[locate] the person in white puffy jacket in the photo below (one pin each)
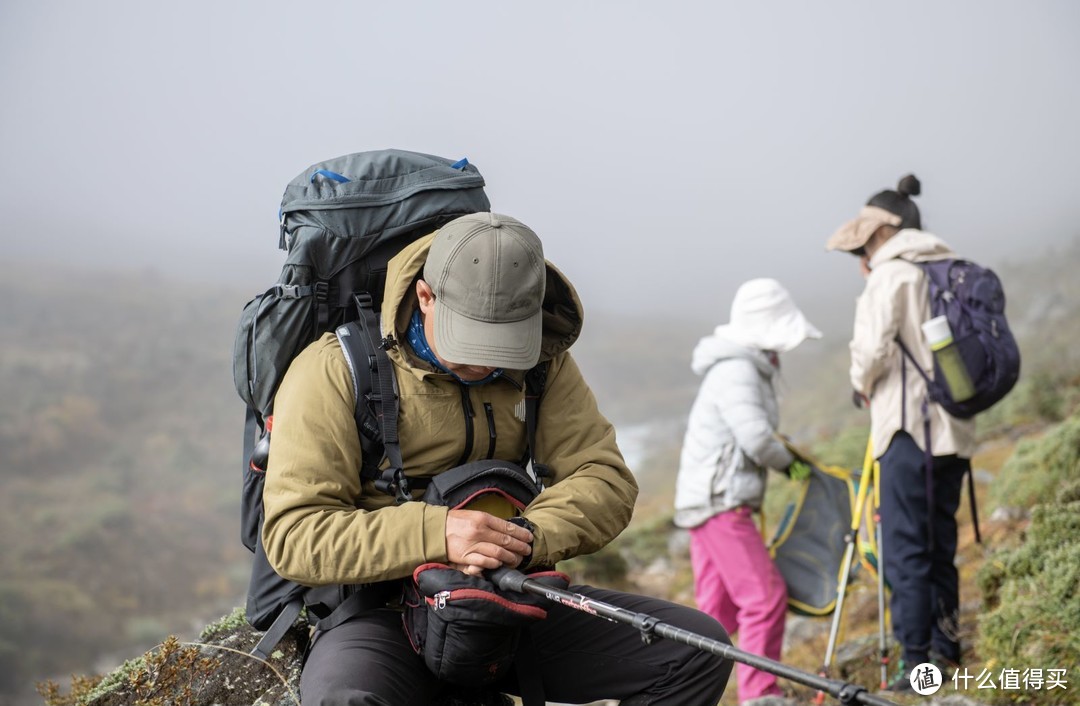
(730, 441)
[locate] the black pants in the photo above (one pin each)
(925, 586)
(580, 658)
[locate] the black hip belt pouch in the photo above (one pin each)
(466, 628)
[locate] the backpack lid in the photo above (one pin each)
(366, 182)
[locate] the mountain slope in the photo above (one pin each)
(120, 438)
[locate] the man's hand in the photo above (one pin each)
(477, 541)
(798, 470)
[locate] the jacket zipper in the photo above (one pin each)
(466, 406)
(491, 429)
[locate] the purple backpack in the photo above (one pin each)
(972, 299)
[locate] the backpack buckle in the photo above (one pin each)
(293, 291)
(363, 300)
(395, 484)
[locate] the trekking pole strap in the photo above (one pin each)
(512, 580)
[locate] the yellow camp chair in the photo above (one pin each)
(810, 539)
(865, 536)
(863, 539)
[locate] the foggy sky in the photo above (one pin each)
(664, 152)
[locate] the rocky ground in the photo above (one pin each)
(218, 670)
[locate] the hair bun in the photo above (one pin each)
(909, 186)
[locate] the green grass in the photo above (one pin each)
(1039, 467)
(1032, 592)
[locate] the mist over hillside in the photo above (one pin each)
(120, 439)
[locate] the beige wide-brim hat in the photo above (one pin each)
(855, 233)
(764, 316)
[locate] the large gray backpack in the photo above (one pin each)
(341, 222)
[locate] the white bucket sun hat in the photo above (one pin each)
(764, 316)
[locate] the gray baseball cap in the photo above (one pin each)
(488, 275)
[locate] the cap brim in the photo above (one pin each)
(855, 233)
(466, 341)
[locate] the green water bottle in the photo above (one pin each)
(947, 357)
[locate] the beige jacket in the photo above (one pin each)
(896, 301)
(323, 526)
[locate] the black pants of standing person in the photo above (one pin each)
(925, 585)
(580, 658)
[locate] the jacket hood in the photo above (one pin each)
(718, 346)
(563, 312)
(914, 246)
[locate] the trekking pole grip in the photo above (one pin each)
(507, 579)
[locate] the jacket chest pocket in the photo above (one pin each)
(441, 427)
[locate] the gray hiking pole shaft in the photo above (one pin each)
(882, 645)
(834, 630)
(649, 627)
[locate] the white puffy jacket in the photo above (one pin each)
(730, 437)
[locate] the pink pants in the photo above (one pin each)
(736, 582)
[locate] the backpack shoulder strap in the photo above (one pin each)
(938, 275)
(358, 357)
(931, 281)
(535, 381)
(376, 411)
(914, 363)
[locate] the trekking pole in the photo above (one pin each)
(650, 627)
(883, 645)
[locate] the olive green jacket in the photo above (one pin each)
(324, 526)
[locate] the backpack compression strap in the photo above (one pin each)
(277, 630)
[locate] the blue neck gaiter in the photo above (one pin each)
(419, 344)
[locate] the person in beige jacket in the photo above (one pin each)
(921, 473)
(469, 309)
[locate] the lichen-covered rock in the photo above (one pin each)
(216, 670)
(219, 670)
